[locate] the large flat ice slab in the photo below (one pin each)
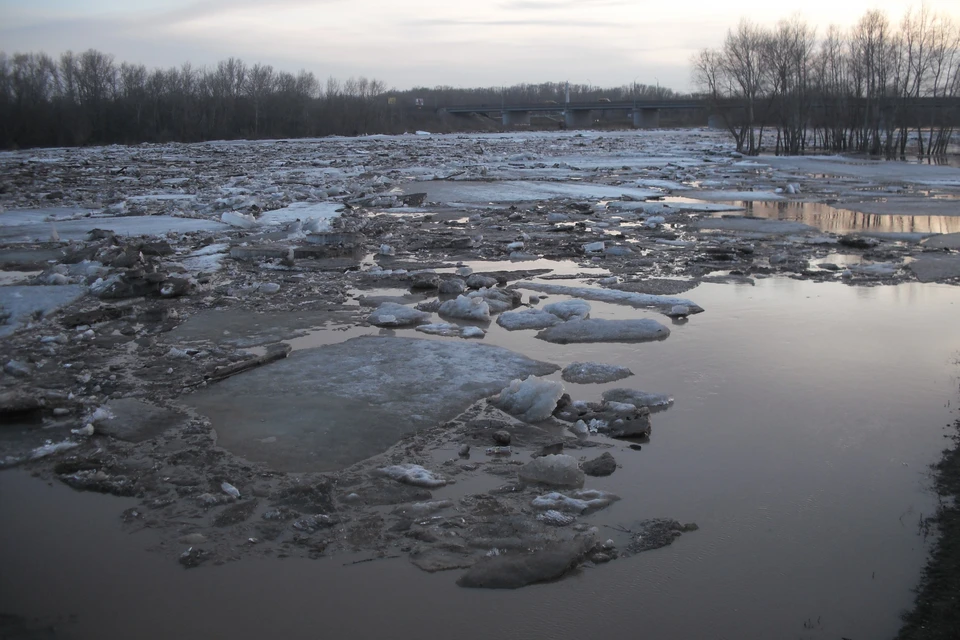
(326, 408)
(614, 296)
(19, 303)
(933, 268)
(754, 225)
(860, 168)
(522, 191)
(77, 229)
(943, 241)
(600, 330)
(46, 214)
(321, 211)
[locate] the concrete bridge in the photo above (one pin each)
(579, 115)
(646, 113)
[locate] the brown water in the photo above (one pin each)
(805, 420)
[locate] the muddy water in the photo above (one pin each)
(827, 218)
(806, 415)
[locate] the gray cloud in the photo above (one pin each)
(538, 5)
(211, 8)
(519, 22)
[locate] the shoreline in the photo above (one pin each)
(936, 611)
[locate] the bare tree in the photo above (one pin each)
(260, 83)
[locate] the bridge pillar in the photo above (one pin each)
(715, 121)
(511, 118)
(578, 119)
(646, 118)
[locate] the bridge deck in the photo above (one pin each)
(580, 106)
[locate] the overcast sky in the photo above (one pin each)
(409, 43)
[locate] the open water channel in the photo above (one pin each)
(806, 418)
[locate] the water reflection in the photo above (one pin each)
(827, 218)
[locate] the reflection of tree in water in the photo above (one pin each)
(827, 218)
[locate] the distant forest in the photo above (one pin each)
(89, 99)
(868, 89)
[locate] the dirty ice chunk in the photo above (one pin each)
(391, 314)
(577, 502)
(316, 216)
(655, 401)
(597, 330)
(414, 474)
(532, 399)
(592, 247)
(527, 319)
(555, 518)
(101, 415)
(498, 300)
(637, 300)
(678, 311)
(594, 372)
(451, 330)
(230, 490)
(880, 269)
(654, 221)
(516, 570)
(580, 429)
(52, 448)
(22, 304)
(569, 309)
(466, 308)
(422, 509)
(240, 220)
(930, 268)
(557, 470)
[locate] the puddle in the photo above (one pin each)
(840, 221)
(806, 472)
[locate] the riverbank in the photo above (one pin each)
(936, 615)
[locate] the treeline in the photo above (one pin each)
(87, 99)
(869, 89)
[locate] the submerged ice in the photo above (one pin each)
(327, 407)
